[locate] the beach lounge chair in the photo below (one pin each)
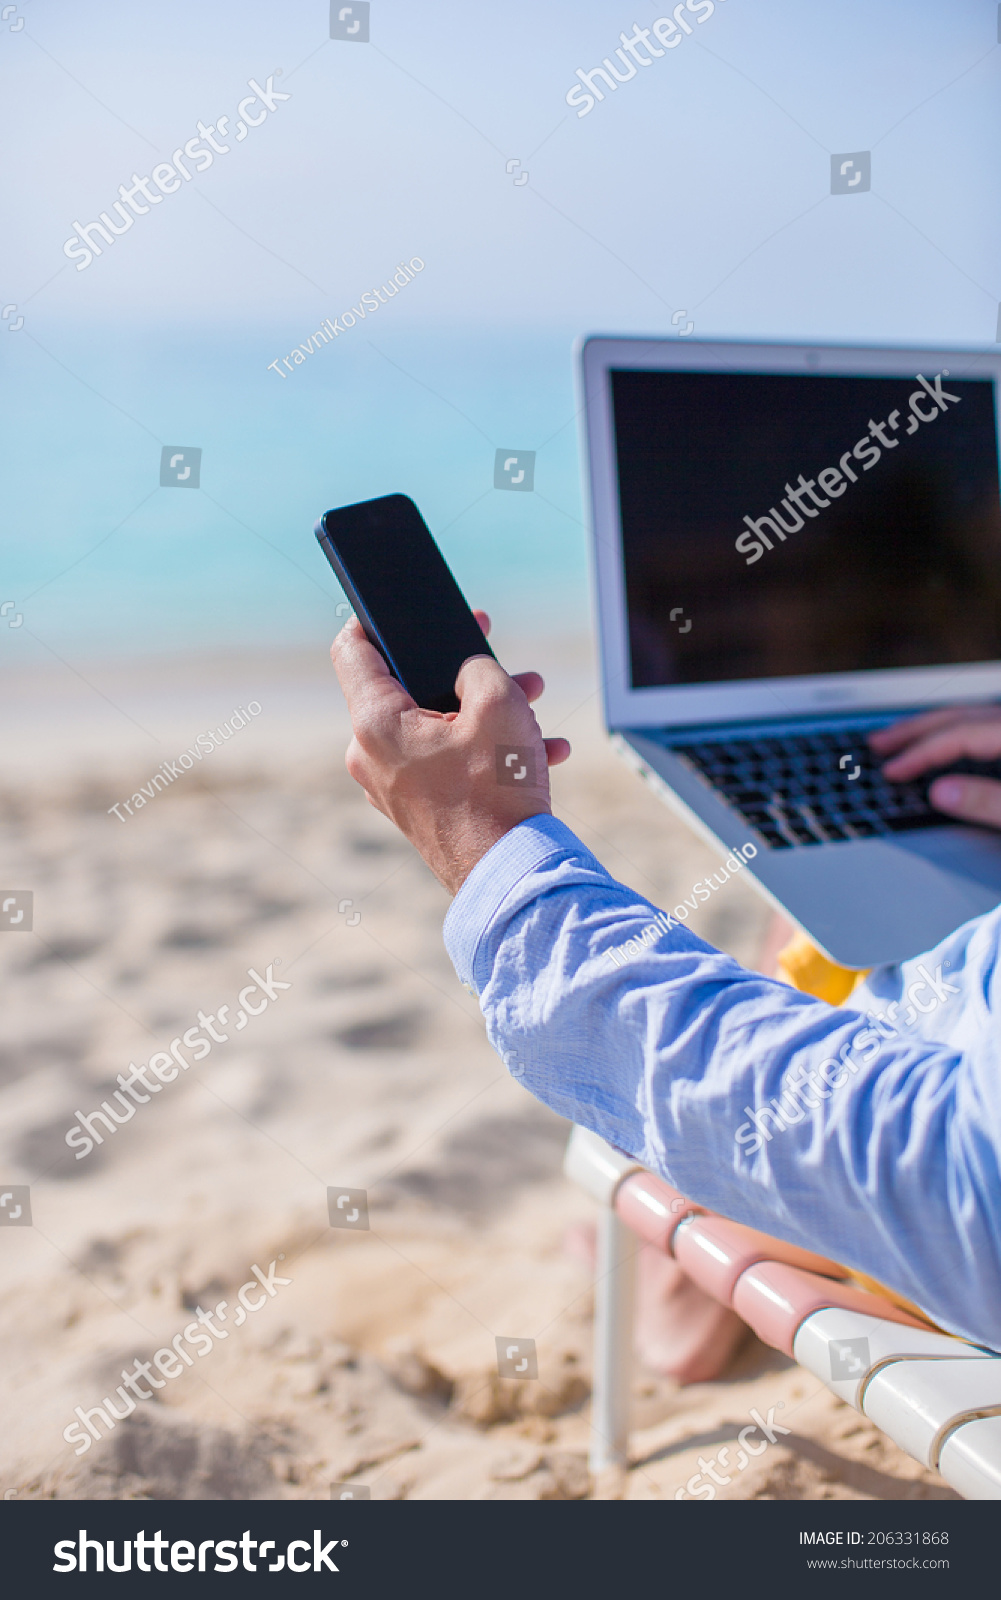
(935, 1396)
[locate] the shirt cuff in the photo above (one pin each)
(493, 879)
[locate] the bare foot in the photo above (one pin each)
(778, 933)
(680, 1331)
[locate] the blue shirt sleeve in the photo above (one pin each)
(868, 1132)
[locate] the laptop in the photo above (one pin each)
(793, 545)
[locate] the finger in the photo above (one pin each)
(886, 741)
(353, 641)
(979, 740)
(972, 799)
(484, 622)
(558, 751)
(355, 761)
(362, 673)
(482, 681)
(531, 683)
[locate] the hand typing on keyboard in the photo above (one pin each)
(958, 749)
(795, 789)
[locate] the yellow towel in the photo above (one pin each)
(802, 966)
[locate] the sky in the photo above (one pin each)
(698, 193)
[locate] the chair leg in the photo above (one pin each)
(614, 1303)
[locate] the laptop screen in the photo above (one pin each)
(782, 524)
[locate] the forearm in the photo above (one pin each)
(688, 1062)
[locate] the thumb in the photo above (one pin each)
(970, 799)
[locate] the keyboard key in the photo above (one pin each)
(794, 787)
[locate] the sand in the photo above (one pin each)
(374, 1364)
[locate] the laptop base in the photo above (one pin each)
(847, 897)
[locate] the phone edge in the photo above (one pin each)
(364, 617)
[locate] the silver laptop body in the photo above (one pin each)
(751, 626)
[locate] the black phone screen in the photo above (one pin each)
(404, 595)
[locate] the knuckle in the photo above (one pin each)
(493, 690)
(355, 762)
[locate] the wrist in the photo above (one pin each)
(458, 855)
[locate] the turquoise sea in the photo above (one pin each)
(102, 561)
(701, 190)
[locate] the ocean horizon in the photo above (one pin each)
(103, 561)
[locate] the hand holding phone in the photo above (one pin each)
(453, 785)
(404, 595)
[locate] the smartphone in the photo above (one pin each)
(404, 595)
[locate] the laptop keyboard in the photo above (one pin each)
(817, 788)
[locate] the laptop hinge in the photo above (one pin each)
(753, 728)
